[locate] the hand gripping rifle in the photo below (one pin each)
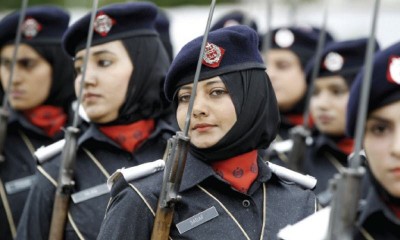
(299, 133)
(65, 182)
(4, 112)
(178, 147)
(347, 185)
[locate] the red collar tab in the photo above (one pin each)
(393, 70)
(103, 24)
(129, 137)
(30, 28)
(346, 145)
(48, 118)
(240, 171)
(213, 55)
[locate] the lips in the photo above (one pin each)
(17, 93)
(202, 127)
(90, 96)
(324, 118)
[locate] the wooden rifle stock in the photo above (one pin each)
(65, 185)
(178, 147)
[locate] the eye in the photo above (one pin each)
(339, 91)
(282, 65)
(184, 97)
(378, 128)
(5, 62)
(27, 63)
(218, 92)
(104, 63)
(78, 70)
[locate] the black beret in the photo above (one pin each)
(228, 49)
(112, 22)
(42, 25)
(302, 40)
(344, 58)
(234, 18)
(385, 85)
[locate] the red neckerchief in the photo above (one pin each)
(130, 136)
(395, 209)
(48, 118)
(239, 171)
(297, 119)
(346, 145)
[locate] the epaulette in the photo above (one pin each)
(136, 172)
(305, 181)
(287, 145)
(44, 153)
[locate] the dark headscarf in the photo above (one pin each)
(257, 116)
(144, 98)
(62, 85)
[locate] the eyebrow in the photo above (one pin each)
(376, 118)
(96, 53)
(207, 84)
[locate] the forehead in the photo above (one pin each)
(23, 50)
(115, 47)
(282, 54)
(204, 83)
(327, 81)
(389, 112)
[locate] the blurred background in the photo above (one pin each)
(346, 18)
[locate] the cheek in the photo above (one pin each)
(181, 112)
(376, 150)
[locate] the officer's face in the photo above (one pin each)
(287, 77)
(31, 81)
(107, 76)
(328, 104)
(382, 146)
(213, 112)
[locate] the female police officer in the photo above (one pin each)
(121, 96)
(40, 97)
(235, 114)
(327, 155)
(379, 217)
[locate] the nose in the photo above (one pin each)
(395, 146)
(200, 108)
(90, 77)
(321, 100)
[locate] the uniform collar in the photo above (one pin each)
(197, 171)
(93, 132)
(16, 117)
(374, 204)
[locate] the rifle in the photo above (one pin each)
(344, 205)
(268, 36)
(4, 111)
(178, 147)
(65, 182)
(299, 133)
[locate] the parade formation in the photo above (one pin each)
(107, 133)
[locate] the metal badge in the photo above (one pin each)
(333, 61)
(103, 24)
(19, 185)
(393, 71)
(30, 28)
(89, 193)
(284, 38)
(197, 220)
(213, 55)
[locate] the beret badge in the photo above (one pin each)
(103, 24)
(30, 28)
(284, 38)
(213, 55)
(393, 71)
(333, 61)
